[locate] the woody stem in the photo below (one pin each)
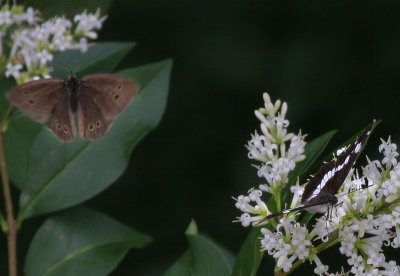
(11, 222)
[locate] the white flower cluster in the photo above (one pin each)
(33, 44)
(276, 161)
(289, 243)
(364, 221)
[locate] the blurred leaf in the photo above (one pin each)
(50, 8)
(64, 174)
(22, 132)
(80, 242)
(101, 57)
(183, 266)
(203, 257)
(207, 257)
(192, 228)
(250, 255)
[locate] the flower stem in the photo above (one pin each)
(11, 223)
(278, 200)
(6, 116)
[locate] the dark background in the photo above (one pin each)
(336, 64)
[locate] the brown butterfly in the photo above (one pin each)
(95, 99)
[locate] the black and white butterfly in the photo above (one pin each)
(319, 193)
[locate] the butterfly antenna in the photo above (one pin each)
(357, 189)
(277, 214)
(61, 66)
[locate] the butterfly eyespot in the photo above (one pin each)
(58, 126)
(91, 127)
(31, 101)
(25, 92)
(116, 97)
(66, 130)
(98, 124)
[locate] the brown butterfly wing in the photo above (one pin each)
(91, 123)
(62, 121)
(37, 98)
(110, 93)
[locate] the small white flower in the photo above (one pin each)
(30, 16)
(44, 56)
(246, 219)
(83, 45)
(296, 148)
(321, 268)
(285, 263)
(297, 191)
(372, 171)
(41, 33)
(261, 149)
(13, 70)
(5, 18)
(347, 242)
(300, 242)
(389, 150)
(88, 22)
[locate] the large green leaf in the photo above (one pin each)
(249, 257)
(64, 174)
(101, 57)
(182, 266)
(22, 131)
(80, 242)
(203, 257)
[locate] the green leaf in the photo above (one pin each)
(50, 8)
(207, 258)
(61, 175)
(182, 266)
(102, 57)
(80, 242)
(204, 257)
(250, 255)
(23, 132)
(192, 228)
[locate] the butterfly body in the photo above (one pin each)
(319, 193)
(95, 100)
(72, 87)
(317, 205)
